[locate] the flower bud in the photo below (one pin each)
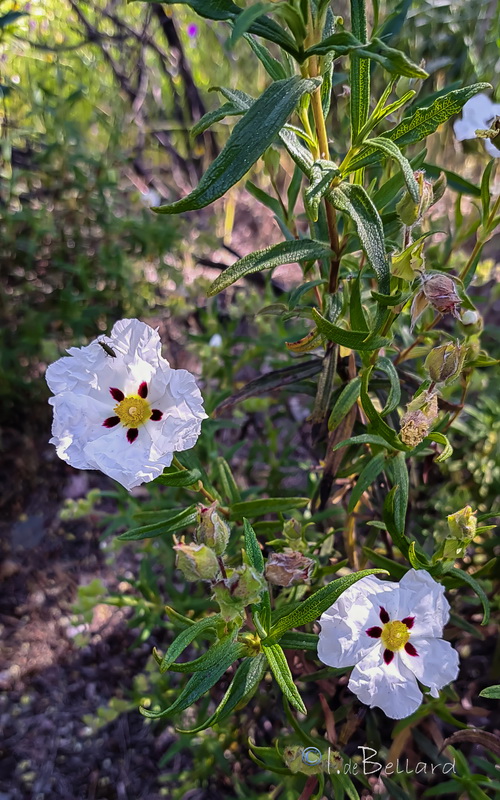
(416, 423)
(445, 363)
(241, 588)
(197, 562)
(212, 529)
(472, 321)
(292, 531)
(440, 291)
(409, 211)
(288, 568)
(462, 524)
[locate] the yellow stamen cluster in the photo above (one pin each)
(133, 411)
(395, 635)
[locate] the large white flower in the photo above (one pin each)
(478, 114)
(120, 408)
(390, 633)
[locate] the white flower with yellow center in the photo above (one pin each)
(120, 408)
(390, 633)
(478, 114)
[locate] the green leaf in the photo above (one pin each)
(247, 18)
(273, 67)
(396, 570)
(179, 477)
(392, 150)
(228, 11)
(265, 198)
(250, 137)
(229, 485)
(10, 17)
(422, 122)
(185, 638)
(207, 660)
(356, 340)
(266, 505)
(464, 577)
(321, 176)
(356, 314)
(183, 519)
(269, 258)
(367, 476)
(440, 438)
(338, 44)
(485, 191)
(402, 485)
(364, 438)
(392, 60)
(200, 682)
(360, 71)
(491, 692)
(300, 641)
(252, 548)
(394, 396)
(389, 516)
(380, 427)
(208, 119)
(344, 403)
(281, 671)
(453, 181)
(354, 201)
(244, 684)
(311, 609)
(271, 382)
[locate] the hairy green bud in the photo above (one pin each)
(212, 529)
(197, 562)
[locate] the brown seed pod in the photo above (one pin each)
(440, 291)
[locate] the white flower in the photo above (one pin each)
(477, 114)
(390, 632)
(215, 341)
(120, 408)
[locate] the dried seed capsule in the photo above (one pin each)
(440, 291)
(288, 568)
(445, 363)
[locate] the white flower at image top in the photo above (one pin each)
(390, 633)
(120, 408)
(478, 114)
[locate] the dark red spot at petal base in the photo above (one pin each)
(132, 434)
(388, 656)
(408, 621)
(142, 391)
(410, 649)
(384, 616)
(117, 394)
(374, 632)
(156, 414)
(110, 422)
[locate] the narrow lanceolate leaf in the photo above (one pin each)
(208, 119)
(338, 44)
(380, 427)
(283, 253)
(356, 340)
(364, 438)
(179, 477)
(344, 403)
(392, 151)
(464, 577)
(187, 517)
(394, 395)
(206, 661)
(492, 692)
(185, 638)
(393, 60)
(229, 11)
(228, 483)
(200, 682)
(252, 548)
(440, 438)
(249, 139)
(273, 67)
(266, 505)
(402, 484)
(244, 684)
(367, 476)
(272, 381)
(422, 122)
(360, 71)
(355, 202)
(299, 641)
(281, 671)
(312, 608)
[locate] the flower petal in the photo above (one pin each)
(436, 665)
(391, 687)
(343, 639)
(423, 598)
(477, 114)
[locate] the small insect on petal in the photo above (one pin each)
(410, 649)
(156, 415)
(374, 632)
(388, 656)
(107, 349)
(143, 390)
(117, 394)
(110, 422)
(132, 434)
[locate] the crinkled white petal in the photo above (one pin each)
(477, 114)
(423, 598)
(81, 384)
(391, 687)
(343, 639)
(491, 148)
(436, 664)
